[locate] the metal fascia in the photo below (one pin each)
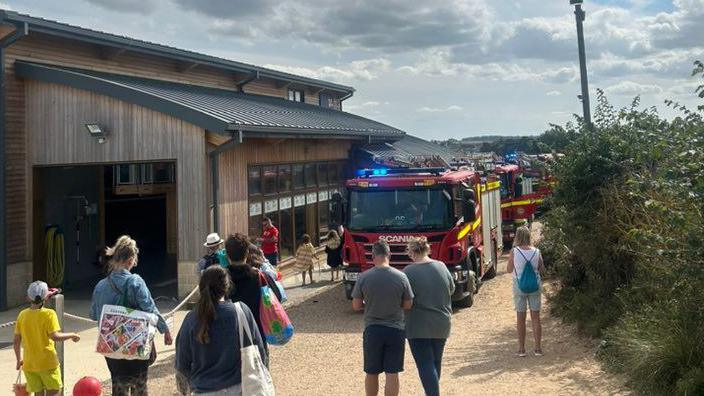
(315, 133)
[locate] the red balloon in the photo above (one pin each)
(87, 386)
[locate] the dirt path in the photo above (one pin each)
(325, 357)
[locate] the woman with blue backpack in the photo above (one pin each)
(526, 264)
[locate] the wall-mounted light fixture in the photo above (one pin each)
(97, 132)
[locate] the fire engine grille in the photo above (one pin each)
(398, 254)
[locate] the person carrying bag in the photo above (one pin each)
(277, 327)
(212, 356)
(256, 380)
(129, 372)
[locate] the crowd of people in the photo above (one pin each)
(413, 304)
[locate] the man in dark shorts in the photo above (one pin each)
(383, 293)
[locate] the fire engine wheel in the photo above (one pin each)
(491, 273)
(468, 301)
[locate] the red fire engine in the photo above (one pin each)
(519, 202)
(457, 210)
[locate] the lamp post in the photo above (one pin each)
(579, 16)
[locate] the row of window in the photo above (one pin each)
(283, 178)
(297, 199)
(324, 99)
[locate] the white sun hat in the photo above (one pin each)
(213, 240)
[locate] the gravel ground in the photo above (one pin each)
(325, 358)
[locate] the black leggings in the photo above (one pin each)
(129, 377)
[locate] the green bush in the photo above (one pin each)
(625, 240)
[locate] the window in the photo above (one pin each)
(284, 178)
(269, 179)
(295, 95)
(254, 180)
(323, 213)
(286, 245)
(400, 210)
(309, 171)
(126, 174)
(327, 100)
(299, 180)
(322, 174)
(296, 197)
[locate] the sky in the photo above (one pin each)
(437, 69)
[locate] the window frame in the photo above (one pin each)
(292, 93)
(333, 171)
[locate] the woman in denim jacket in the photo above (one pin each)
(127, 375)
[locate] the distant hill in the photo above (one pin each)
(553, 139)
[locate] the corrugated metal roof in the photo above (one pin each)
(408, 151)
(217, 110)
(60, 29)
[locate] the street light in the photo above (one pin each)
(579, 17)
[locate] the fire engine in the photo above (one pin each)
(458, 211)
(519, 202)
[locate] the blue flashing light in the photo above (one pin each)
(397, 171)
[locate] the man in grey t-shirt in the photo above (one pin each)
(383, 293)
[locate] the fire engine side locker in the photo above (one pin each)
(491, 224)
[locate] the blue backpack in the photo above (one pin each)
(527, 281)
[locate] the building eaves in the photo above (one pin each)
(55, 28)
(218, 110)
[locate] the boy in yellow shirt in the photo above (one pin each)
(36, 331)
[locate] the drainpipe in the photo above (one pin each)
(215, 175)
(21, 30)
(345, 97)
(252, 77)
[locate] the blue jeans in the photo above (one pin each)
(427, 352)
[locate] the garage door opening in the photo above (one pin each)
(79, 210)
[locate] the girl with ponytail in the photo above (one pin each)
(128, 376)
(208, 346)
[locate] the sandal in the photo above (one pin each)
(521, 353)
(538, 352)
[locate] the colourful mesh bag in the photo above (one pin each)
(277, 327)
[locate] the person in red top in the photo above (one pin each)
(270, 241)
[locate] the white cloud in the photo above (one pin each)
(450, 108)
(480, 55)
(631, 88)
(369, 69)
(437, 63)
(372, 104)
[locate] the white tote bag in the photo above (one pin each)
(256, 380)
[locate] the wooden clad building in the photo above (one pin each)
(102, 135)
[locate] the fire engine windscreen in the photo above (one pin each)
(401, 210)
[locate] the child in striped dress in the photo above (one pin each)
(305, 257)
